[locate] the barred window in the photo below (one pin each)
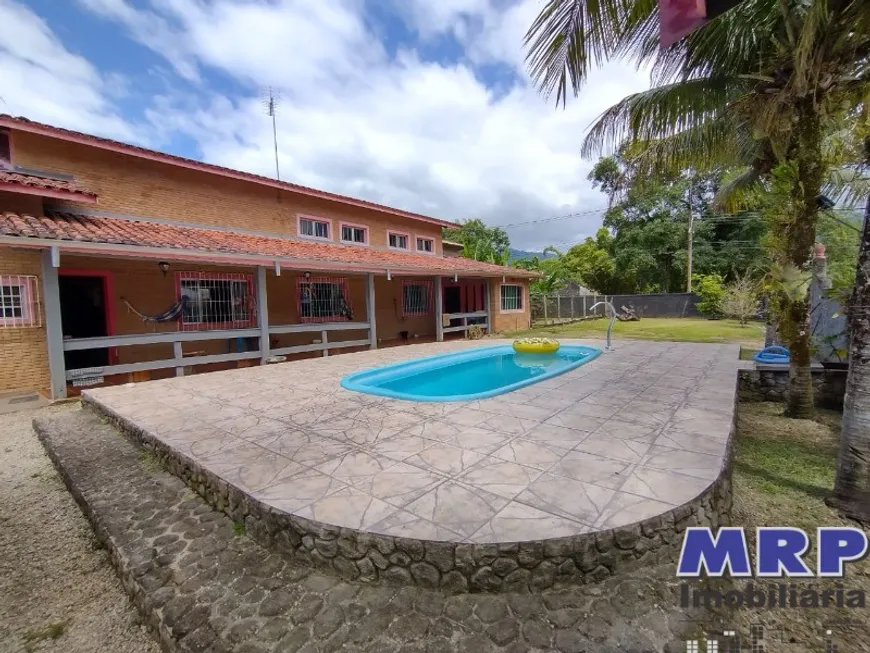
(216, 300)
(353, 234)
(416, 298)
(314, 228)
(511, 297)
(397, 241)
(323, 299)
(426, 245)
(19, 301)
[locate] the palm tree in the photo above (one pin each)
(753, 87)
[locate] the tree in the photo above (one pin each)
(649, 220)
(741, 300)
(758, 84)
(711, 290)
(481, 243)
(754, 87)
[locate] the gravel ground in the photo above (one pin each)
(58, 591)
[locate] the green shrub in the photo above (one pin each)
(711, 289)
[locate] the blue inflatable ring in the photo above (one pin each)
(774, 355)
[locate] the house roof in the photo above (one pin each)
(15, 181)
(24, 124)
(131, 237)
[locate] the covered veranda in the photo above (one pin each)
(116, 312)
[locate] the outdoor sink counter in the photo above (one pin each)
(566, 480)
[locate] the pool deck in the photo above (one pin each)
(630, 435)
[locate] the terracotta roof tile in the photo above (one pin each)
(43, 183)
(26, 124)
(68, 227)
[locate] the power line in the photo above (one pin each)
(554, 219)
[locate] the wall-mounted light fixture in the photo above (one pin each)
(455, 278)
(164, 267)
(389, 276)
(307, 275)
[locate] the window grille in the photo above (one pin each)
(398, 241)
(425, 245)
(323, 299)
(19, 301)
(352, 234)
(314, 228)
(416, 298)
(693, 646)
(511, 297)
(216, 300)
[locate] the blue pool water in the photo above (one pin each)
(472, 374)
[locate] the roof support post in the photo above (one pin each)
(486, 301)
(439, 311)
(370, 310)
(53, 325)
(263, 314)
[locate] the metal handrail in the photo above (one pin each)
(612, 321)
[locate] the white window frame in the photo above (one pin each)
(417, 240)
(28, 293)
(522, 298)
(353, 225)
(399, 233)
(314, 219)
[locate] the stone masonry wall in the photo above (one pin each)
(829, 386)
(449, 566)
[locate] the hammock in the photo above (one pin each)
(170, 314)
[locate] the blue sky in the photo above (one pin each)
(425, 106)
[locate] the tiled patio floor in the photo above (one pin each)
(625, 437)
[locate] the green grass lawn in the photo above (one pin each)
(685, 329)
(783, 470)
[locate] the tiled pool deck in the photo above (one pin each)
(629, 436)
(625, 437)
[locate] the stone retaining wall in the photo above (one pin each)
(829, 386)
(449, 566)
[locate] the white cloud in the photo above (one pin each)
(415, 134)
(43, 80)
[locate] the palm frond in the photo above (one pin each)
(739, 191)
(569, 37)
(660, 112)
(847, 186)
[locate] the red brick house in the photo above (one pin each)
(120, 263)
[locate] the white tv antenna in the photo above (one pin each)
(271, 102)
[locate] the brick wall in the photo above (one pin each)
(508, 321)
(131, 186)
(23, 352)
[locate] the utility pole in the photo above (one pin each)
(691, 237)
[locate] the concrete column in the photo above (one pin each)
(53, 326)
(263, 314)
(370, 310)
(488, 304)
(439, 311)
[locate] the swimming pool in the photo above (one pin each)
(462, 376)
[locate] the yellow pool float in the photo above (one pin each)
(536, 345)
